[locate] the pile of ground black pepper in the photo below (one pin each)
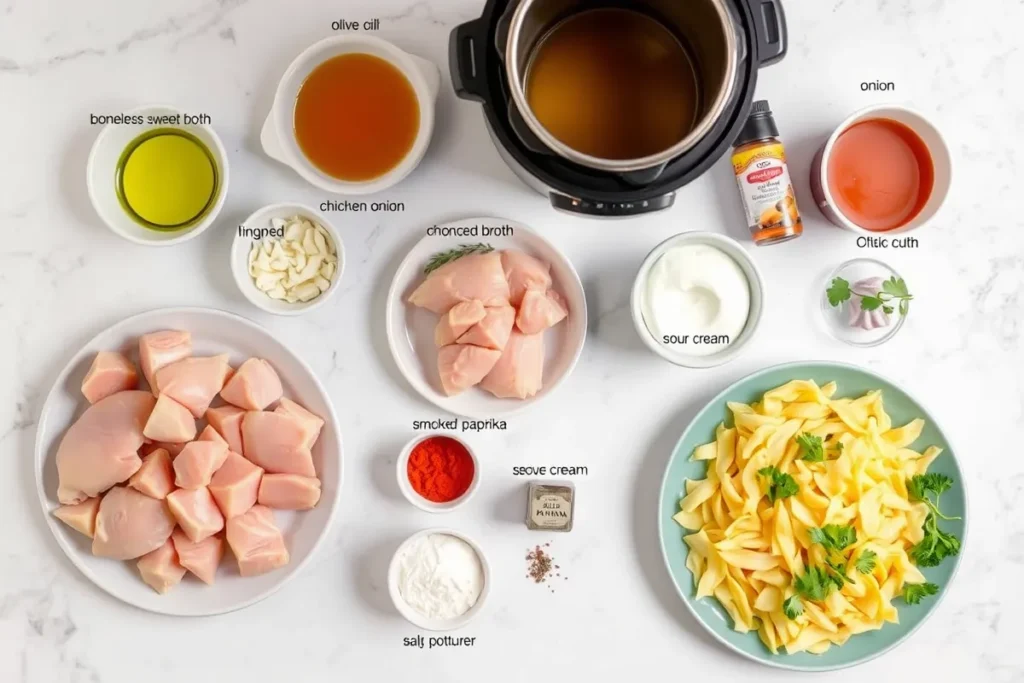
(541, 566)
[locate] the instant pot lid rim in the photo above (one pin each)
(541, 166)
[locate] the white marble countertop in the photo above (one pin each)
(64, 277)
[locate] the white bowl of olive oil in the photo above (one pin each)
(157, 179)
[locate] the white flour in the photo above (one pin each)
(440, 576)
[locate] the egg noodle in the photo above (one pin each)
(804, 522)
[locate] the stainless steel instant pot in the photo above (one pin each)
(729, 40)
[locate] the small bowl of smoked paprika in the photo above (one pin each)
(437, 472)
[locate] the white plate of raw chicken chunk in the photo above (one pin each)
(492, 331)
(198, 485)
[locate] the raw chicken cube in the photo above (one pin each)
(254, 386)
(523, 273)
(256, 542)
(203, 558)
(109, 373)
(276, 442)
(160, 569)
(227, 420)
(491, 332)
(197, 462)
(236, 485)
(156, 476)
(457, 320)
(101, 447)
(81, 517)
(212, 435)
(539, 311)
(172, 448)
(130, 524)
(170, 421)
(475, 276)
(196, 512)
(194, 382)
(289, 492)
(463, 365)
(312, 424)
(158, 349)
(520, 370)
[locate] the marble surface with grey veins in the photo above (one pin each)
(64, 277)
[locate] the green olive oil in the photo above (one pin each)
(167, 179)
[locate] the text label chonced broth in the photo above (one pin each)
(880, 174)
(356, 117)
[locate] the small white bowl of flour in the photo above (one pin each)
(439, 579)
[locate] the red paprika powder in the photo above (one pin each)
(440, 469)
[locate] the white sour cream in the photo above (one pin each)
(696, 300)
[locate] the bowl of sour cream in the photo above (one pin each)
(697, 300)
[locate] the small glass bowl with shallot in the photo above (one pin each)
(437, 472)
(864, 302)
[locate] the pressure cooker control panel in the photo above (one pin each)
(592, 207)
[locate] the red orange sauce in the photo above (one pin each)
(880, 174)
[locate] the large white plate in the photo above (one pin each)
(411, 329)
(213, 332)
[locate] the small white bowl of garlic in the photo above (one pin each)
(287, 259)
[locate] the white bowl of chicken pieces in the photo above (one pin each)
(187, 462)
(485, 317)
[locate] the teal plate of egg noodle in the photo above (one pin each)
(809, 516)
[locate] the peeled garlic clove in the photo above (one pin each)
(300, 260)
(307, 291)
(320, 242)
(278, 223)
(293, 231)
(277, 292)
(312, 268)
(327, 270)
(322, 282)
(267, 281)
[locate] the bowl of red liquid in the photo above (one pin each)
(437, 472)
(885, 169)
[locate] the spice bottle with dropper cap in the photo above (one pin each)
(759, 162)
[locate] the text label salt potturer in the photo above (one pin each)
(470, 231)
(439, 641)
(461, 425)
(870, 241)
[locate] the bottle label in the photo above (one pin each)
(767, 191)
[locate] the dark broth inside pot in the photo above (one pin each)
(614, 84)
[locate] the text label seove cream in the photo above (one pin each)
(696, 300)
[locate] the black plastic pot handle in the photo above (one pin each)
(466, 60)
(770, 28)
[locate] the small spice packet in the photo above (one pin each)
(550, 506)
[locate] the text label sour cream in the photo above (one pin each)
(696, 300)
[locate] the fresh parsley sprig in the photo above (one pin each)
(812, 448)
(913, 593)
(793, 607)
(894, 291)
(834, 538)
(865, 563)
(936, 545)
(441, 258)
(780, 484)
(814, 584)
